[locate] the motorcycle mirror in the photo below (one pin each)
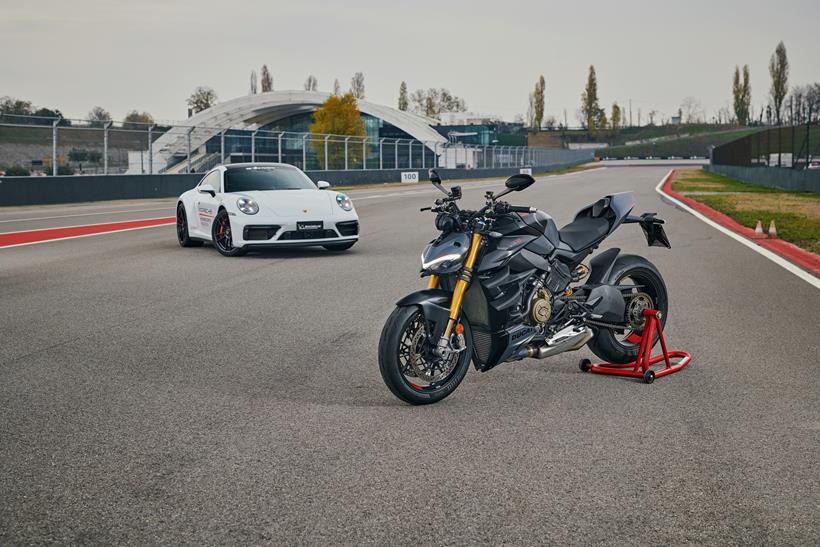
(516, 183)
(436, 180)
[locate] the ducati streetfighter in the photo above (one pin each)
(505, 284)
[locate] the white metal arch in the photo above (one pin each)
(253, 111)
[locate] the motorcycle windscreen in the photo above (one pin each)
(655, 234)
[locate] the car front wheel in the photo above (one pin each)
(222, 236)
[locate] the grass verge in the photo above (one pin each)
(796, 214)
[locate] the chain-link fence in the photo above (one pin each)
(793, 147)
(70, 146)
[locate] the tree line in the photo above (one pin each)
(96, 117)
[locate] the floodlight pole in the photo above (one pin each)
(222, 146)
(346, 139)
(188, 137)
(304, 152)
(381, 158)
(106, 125)
(253, 146)
(410, 154)
(151, 149)
(54, 125)
(364, 154)
(326, 138)
(279, 145)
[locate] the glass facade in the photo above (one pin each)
(387, 147)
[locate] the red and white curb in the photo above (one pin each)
(45, 235)
(786, 256)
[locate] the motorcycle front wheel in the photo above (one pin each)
(409, 367)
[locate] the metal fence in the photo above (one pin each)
(71, 146)
(792, 147)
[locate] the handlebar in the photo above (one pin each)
(520, 209)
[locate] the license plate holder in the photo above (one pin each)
(310, 226)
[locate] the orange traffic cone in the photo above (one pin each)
(759, 230)
(772, 230)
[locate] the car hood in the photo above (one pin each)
(294, 203)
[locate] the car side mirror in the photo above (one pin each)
(207, 189)
(323, 185)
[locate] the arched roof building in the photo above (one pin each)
(282, 110)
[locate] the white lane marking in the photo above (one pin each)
(125, 211)
(84, 235)
(777, 259)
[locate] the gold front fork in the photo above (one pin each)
(463, 283)
(432, 283)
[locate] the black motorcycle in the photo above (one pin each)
(506, 284)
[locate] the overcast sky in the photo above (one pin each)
(150, 54)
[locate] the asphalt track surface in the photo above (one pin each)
(153, 394)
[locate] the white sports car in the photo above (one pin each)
(246, 205)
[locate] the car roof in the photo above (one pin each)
(256, 164)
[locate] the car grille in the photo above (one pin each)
(296, 235)
(349, 228)
(259, 232)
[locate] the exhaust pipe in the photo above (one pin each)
(567, 339)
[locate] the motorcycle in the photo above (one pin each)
(505, 284)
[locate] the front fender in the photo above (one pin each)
(434, 305)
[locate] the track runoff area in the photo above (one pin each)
(157, 394)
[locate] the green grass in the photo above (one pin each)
(698, 180)
(796, 214)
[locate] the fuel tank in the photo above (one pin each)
(528, 237)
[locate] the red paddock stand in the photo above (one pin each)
(641, 367)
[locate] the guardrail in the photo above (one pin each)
(76, 189)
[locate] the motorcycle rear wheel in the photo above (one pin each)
(623, 348)
(405, 363)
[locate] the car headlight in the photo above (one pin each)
(344, 202)
(247, 206)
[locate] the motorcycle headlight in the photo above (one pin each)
(344, 202)
(443, 261)
(247, 206)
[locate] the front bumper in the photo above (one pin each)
(248, 231)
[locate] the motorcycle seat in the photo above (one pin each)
(583, 232)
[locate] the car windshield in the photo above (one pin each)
(257, 177)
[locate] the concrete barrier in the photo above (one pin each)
(794, 180)
(78, 189)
